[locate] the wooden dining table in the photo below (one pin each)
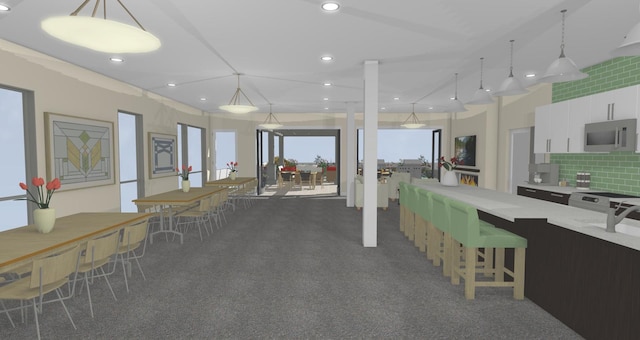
(238, 182)
(21, 245)
(166, 202)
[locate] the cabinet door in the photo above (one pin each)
(558, 122)
(578, 116)
(542, 132)
(615, 105)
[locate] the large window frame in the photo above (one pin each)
(183, 150)
(139, 150)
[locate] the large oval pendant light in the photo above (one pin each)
(412, 122)
(235, 106)
(102, 35)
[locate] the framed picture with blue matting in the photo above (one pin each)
(163, 155)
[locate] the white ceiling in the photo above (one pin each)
(277, 45)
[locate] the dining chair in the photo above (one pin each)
(133, 237)
(198, 217)
(48, 275)
(98, 253)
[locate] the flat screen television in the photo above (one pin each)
(465, 150)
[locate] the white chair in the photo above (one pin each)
(198, 217)
(133, 237)
(48, 275)
(383, 194)
(394, 182)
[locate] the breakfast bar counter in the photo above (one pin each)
(587, 278)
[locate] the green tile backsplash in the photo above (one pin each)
(617, 171)
(609, 75)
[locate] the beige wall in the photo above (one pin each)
(67, 89)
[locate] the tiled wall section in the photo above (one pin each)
(617, 171)
(609, 75)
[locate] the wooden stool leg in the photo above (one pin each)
(402, 218)
(448, 253)
(456, 266)
(411, 226)
(518, 273)
(470, 273)
(499, 266)
(488, 262)
(429, 240)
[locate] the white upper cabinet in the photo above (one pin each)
(578, 116)
(551, 128)
(614, 105)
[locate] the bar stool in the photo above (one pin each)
(403, 199)
(424, 217)
(471, 234)
(419, 227)
(441, 241)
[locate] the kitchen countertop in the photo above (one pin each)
(512, 207)
(569, 190)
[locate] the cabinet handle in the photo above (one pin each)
(548, 145)
(617, 140)
(568, 144)
(557, 195)
(613, 111)
(608, 111)
(530, 190)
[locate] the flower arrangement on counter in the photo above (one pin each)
(185, 172)
(450, 164)
(42, 199)
(233, 166)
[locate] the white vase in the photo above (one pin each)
(232, 175)
(449, 178)
(186, 185)
(44, 219)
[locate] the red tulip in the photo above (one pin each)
(55, 184)
(178, 170)
(37, 181)
(235, 164)
(23, 186)
(190, 168)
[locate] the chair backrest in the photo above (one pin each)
(425, 208)
(215, 200)
(54, 268)
(204, 204)
(101, 248)
(441, 215)
(465, 224)
(413, 203)
(404, 193)
(133, 235)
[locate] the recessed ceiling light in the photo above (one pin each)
(530, 75)
(383, 108)
(452, 98)
(326, 58)
(325, 98)
(203, 99)
(116, 59)
(171, 84)
(330, 6)
(326, 108)
(488, 90)
(4, 8)
(327, 84)
(396, 98)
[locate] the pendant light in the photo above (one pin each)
(101, 34)
(510, 86)
(271, 122)
(481, 96)
(455, 105)
(234, 105)
(412, 121)
(631, 44)
(563, 68)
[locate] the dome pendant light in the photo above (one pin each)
(271, 122)
(563, 68)
(101, 34)
(510, 86)
(412, 121)
(234, 105)
(630, 45)
(481, 96)
(455, 105)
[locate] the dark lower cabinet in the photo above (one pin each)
(544, 195)
(591, 285)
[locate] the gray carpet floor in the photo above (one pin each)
(292, 268)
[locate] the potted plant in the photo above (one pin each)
(186, 184)
(44, 217)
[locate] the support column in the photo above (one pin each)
(352, 162)
(271, 167)
(281, 149)
(370, 166)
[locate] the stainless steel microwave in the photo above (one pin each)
(611, 135)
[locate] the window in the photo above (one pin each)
(190, 153)
(225, 149)
(17, 118)
(131, 161)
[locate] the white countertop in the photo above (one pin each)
(512, 207)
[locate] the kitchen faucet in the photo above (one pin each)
(612, 219)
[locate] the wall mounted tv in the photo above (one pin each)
(465, 150)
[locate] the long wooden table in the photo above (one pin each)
(239, 182)
(21, 245)
(175, 198)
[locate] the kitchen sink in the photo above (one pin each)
(621, 228)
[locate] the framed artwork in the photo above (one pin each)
(163, 155)
(79, 151)
(465, 150)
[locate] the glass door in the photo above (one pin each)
(436, 151)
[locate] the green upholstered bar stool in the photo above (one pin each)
(404, 198)
(441, 242)
(423, 221)
(468, 231)
(413, 204)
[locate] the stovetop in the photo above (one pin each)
(611, 195)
